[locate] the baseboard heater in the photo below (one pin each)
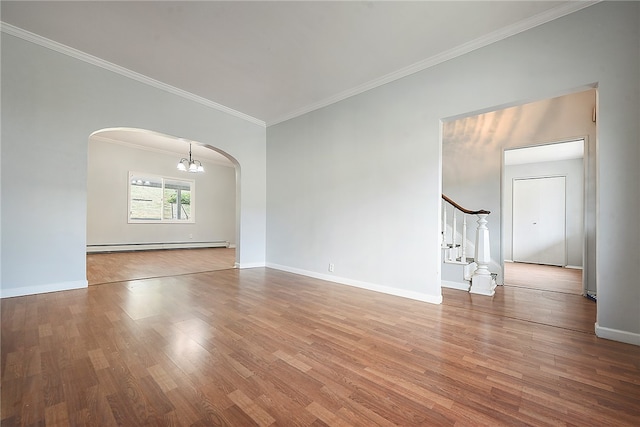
(122, 247)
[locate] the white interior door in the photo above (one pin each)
(539, 234)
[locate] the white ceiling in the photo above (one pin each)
(147, 140)
(545, 153)
(275, 60)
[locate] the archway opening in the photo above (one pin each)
(153, 219)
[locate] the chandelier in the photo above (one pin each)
(190, 165)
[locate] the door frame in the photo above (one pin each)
(585, 195)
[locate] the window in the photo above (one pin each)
(159, 199)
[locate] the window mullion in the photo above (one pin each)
(162, 204)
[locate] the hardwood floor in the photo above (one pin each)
(561, 310)
(264, 347)
(543, 277)
(120, 266)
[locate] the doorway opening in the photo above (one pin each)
(473, 149)
(133, 231)
(543, 206)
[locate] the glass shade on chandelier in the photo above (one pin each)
(190, 164)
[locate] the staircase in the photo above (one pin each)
(475, 275)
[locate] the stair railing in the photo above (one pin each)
(482, 281)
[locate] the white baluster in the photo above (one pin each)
(444, 224)
(482, 282)
(463, 257)
(454, 226)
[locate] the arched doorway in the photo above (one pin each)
(140, 204)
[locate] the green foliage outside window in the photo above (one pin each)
(159, 199)
(185, 198)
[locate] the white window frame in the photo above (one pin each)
(162, 179)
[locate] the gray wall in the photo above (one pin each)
(51, 104)
(108, 169)
(358, 183)
(573, 171)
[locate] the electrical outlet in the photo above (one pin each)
(191, 236)
(331, 267)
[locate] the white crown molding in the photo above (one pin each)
(501, 34)
(519, 27)
(156, 150)
(82, 56)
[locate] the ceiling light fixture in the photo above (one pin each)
(190, 165)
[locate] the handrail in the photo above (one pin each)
(467, 211)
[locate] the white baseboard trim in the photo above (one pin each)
(617, 335)
(433, 299)
(122, 247)
(455, 285)
(232, 246)
(575, 267)
(508, 260)
(42, 289)
(249, 265)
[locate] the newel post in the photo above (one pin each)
(482, 282)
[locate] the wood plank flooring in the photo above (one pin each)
(543, 277)
(557, 309)
(120, 266)
(264, 347)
